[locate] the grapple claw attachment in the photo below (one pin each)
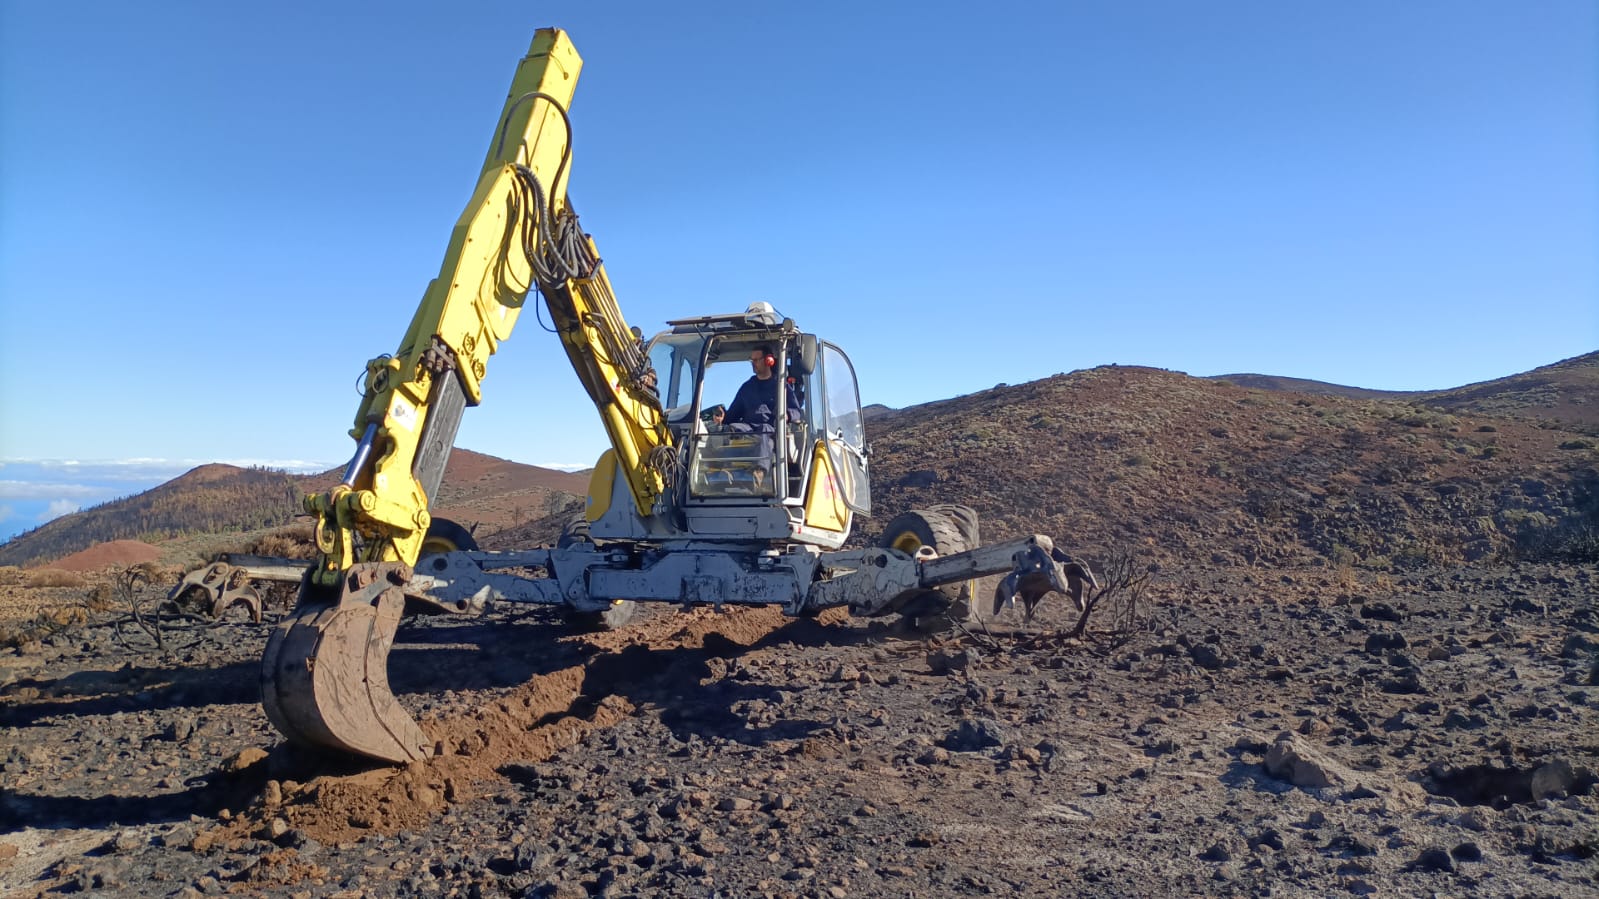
(324, 677)
(223, 587)
(1079, 580)
(1039, 569)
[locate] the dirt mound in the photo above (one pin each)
(114, 554)
(548, 713)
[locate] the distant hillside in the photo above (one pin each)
(1566, 392)
(207, 499)
(1304, 385)
(1175, 468)
(1171, 466)
(492, 494)
(479, 491)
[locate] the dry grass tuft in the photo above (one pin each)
(54, 577)
(297, 541)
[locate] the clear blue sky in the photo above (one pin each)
(212, 214)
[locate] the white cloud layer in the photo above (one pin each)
(37, 490)
(58, 508)
(141, 469)
(565, 466)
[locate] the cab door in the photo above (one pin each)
(845, 430)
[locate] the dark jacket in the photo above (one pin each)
(756, 403)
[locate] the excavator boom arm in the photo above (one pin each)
(518, 232)
(323, 676)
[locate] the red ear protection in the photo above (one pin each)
(771, 362)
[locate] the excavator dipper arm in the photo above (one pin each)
(323, 676)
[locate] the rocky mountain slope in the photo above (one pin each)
(1181, 468)
(1565, 392)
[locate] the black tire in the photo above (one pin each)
(576, 531)
(933, 609)
(965, 518)
(445, 536)
(910, 531)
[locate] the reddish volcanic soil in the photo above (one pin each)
(115, 554)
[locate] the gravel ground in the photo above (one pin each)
(1262, 732)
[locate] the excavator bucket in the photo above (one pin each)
(324, 678)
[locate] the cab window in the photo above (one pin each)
(843, 399)
(675, 358)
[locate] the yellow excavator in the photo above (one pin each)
(693, 504)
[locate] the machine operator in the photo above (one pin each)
(755, 404)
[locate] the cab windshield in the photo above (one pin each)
(676, 358)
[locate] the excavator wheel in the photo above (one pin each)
(965, 518)
(945, 534)
(576, 531)
(445, 536)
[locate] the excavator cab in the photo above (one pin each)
(700, 365)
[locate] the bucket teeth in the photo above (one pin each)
(324, 677)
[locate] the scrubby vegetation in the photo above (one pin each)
(1193, 469)
(294, 541)
(52, 577)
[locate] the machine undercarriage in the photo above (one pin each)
(324, 679)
